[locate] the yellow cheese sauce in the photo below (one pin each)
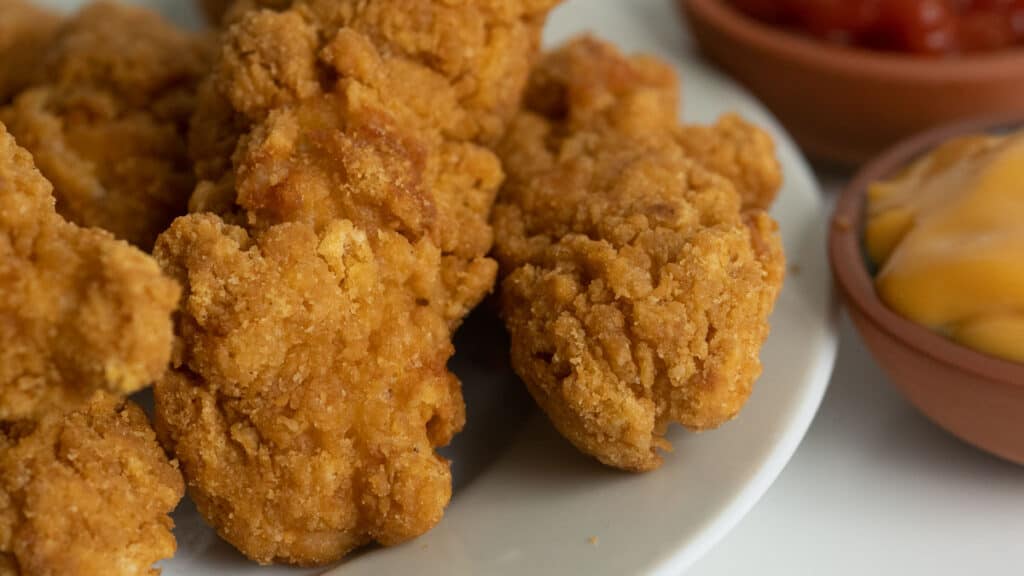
(948, 237)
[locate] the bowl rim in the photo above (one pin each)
(848, 264)
(811, 53)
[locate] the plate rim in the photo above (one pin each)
(689, 552)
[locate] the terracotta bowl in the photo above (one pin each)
(845, 105)
(977, 397)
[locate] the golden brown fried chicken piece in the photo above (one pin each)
(79, 310)
(345, 138)
(635, 291)
(312, 387)
(107, 121)
(640, 96)
(25, 30)
(86, 493)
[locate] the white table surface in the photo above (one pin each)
(876, 489)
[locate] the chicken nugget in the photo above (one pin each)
(635, 287)
(346, 143)
(106, 120)
(312, 388)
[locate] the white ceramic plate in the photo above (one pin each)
(525, 501)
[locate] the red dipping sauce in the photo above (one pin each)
(931, 27)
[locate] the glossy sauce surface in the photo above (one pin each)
(931, 27)
(948, 237)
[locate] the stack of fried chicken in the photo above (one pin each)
(280, 223)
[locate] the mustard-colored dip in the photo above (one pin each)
(948, 237)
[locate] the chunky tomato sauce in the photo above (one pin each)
(937, 27)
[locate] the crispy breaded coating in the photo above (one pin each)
(349, 110)
(86, 493)
(739, 151)
(79, 310)
(25, 29)
(107, 120)
(639, 97)
(381, 134)
(312, 388)
(345, 140)
(391, 121)
(475, 53)
(635, 291)
(483, 49)
(369, 151)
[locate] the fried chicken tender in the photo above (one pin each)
(86, 493)
(25, 30)
(635, 290)
(79, 310)
(313, 388)
(345, 140)
(107, 121)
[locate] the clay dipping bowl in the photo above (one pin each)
(977, 397)
(845, 105)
